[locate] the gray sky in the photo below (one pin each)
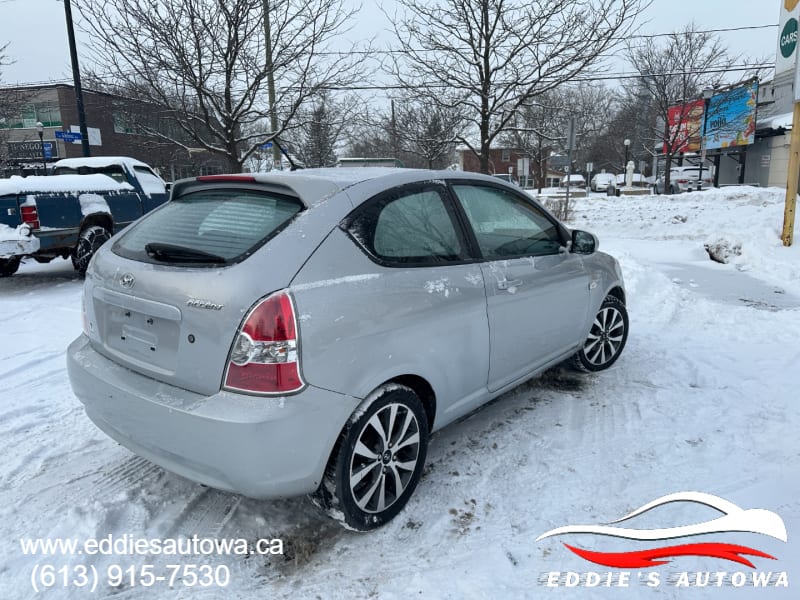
(38, 41)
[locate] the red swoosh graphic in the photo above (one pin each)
(650, 558)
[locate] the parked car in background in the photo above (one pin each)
(600, 181)
(304, 332)
(508, 177)
(576, 180)
(638, 181)
(684, 179)
(75, 211)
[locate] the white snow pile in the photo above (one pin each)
(703, 399)
(93, 203)
(60, 183)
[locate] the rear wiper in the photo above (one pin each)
(172, 253)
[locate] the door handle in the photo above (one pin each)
(506, 284)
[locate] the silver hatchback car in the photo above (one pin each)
(304, 333)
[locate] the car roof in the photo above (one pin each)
(99, 162)
(315, 186)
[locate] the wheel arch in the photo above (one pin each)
(101, 219)
(421, 388)
(618, 293)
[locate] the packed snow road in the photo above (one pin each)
(703, 399)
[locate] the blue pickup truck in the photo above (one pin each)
(75, 211)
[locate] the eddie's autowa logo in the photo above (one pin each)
(734, 519)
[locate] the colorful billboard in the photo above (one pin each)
(731, 118)
(685, 123)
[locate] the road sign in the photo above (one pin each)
(589, 167)
(558, 162)
(69, 136)
(266, 146)
(47, 148)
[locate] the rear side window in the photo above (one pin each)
(208, 227)
(409, 226)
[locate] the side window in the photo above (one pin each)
(409, 226)
(505, 225)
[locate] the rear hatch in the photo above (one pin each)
(167, 296)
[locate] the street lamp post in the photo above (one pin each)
(707, 94)
(40, 131)
(627, 143)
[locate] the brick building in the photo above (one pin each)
(111, 121)
(505, 161)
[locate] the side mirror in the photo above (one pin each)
(584, 242)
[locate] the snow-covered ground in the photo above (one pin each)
(704, 398)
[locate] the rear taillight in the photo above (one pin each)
(683, 181)
(264, 357)
(30, 215)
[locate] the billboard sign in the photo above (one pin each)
(731, 118)
(685, 122)
(32, 150)
(786, 54)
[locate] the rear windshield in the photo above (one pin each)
(208, 227)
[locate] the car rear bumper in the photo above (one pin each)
(256, 446)
(18, 247)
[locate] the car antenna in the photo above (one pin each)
(294, 167)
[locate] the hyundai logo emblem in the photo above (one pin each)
(127, 280)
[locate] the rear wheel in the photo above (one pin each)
(606, 338)
(89, 242)
(9, 266)
(377, 462)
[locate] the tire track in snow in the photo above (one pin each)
(42, 358)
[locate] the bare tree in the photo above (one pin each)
(540, 126)
(12, 101)
(428, 130)
(490, 57)
(674, 70)
(323, 125)
(221, 67)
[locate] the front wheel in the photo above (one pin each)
(378, 460)
(606, 338)
(9, 266)
(89, 242)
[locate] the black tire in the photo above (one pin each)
(89, 242)
(607, 337)
(367, 487)
(9, 266)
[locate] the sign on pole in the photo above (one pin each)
(69, 136)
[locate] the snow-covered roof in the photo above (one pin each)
(100, 162)
(60, 183)
(783, 121)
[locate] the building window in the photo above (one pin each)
(48, 114)
(506, 157)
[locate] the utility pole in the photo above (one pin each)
(76, 78)
(570, 148)
(787, 234)
(269, 66)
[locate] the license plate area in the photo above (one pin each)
(142, 330)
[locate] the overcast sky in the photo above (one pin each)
(36, 31)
